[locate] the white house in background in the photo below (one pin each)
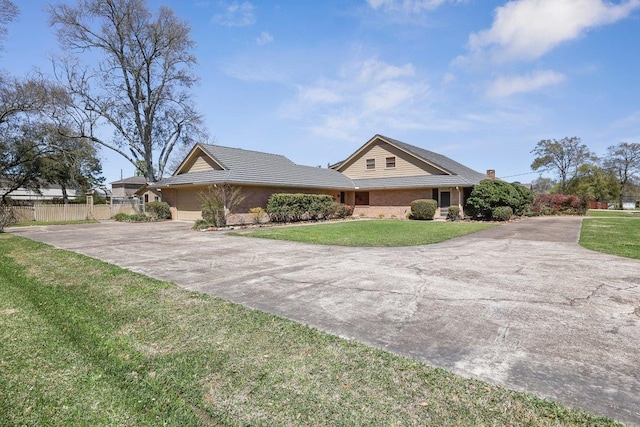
(53, 192)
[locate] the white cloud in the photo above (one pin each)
(408, 6)
(319, 95)
(527, 29)
(374, 71)
(448, 79)
(365, 95)
(236, 15)
(264, 38)
(507, 86)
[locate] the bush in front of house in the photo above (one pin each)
(454, 213)
(501, 213)
(320, 206)
(492, 193)
(287, 207)
(258, 214)
(423, 209)
(219, 202)
(342, 211)
(559, 204)
(159, 210)
(525, 199)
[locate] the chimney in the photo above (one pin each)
(491, 173)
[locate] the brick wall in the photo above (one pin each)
(169, 196)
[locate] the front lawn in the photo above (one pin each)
(616, 236)
(371, 232)
(83, 342)
(609, 214)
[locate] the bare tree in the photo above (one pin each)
(563, 157)
(138, 86)
(623, 160)
(8, 12)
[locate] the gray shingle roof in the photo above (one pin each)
(248, 167)
(140, 180)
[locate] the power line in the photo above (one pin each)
(519, 174)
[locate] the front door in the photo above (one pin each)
(445, 199)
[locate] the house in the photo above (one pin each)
(388, 175)
(259, 174)
(134, 186)
(380, 179)
(46, 193)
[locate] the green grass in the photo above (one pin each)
(79, 221)
(371, 232)
(616, 236)
(83, 342)
(609, 214)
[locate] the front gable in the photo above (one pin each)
(198, 160)
(379, 158)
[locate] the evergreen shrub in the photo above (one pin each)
(422, 209)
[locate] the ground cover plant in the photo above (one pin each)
(612, 235)
(371, 232)
(83, 342)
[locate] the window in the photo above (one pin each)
(390, 162)
(371, 163)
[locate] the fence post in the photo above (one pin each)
(89, 205)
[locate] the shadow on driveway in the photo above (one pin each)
(520, 305)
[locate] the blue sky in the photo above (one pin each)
(480, 81)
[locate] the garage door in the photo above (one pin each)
(189, 204)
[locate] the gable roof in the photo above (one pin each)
(463, 174)
(246, 167)
(134, 180)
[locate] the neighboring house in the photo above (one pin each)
(51, 192)
(126, 188)
(380, 178)
(134, 186)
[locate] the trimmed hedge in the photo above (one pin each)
(502, 213)
(286, 207)
(123, 217)
(422, 209)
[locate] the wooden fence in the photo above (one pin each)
(42, 212)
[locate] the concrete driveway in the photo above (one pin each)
(521, 305)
